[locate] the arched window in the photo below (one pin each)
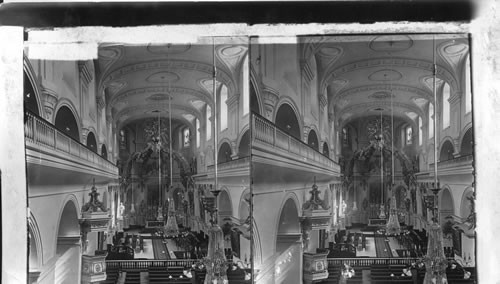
(223, 108)
(431, 121)
(312, 140)
(446, 152)
(345, 136)
(467, 145)
(123, 139)
(91, 142)
(287, 121)
(66, 122)
(186, 137)
(224, 154)
(446, 105)
(468, 91)
(326, 151)
(104, 152)
(197, 125)
(246, 92)
(208, 123)
(420, 132)
(30, 101)
(409, 135)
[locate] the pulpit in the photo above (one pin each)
(315, 216)
(94, 223)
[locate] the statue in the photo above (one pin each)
(94, 204)
(121, 211)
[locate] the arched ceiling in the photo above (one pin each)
(139, 79)
(362, 73)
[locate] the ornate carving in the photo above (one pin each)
(94, 205)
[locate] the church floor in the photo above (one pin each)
(154, 249)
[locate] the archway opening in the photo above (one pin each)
(254, 103)
(33, 253)
(446, 152)
(326, 151)
(287, 121)
(91, 142)
(244, 147)
(288, 245)
(312, 140)
(467, 146)
(67, 268)
(30, 100)
(104, 152)
(66, 122)
(225, 153)
(446, 207)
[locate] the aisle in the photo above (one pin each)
(160, 249)
(382, 246)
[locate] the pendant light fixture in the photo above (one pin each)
(215, 262)
(393, 227)
(382, 189)
(171, 227)
(158, 148)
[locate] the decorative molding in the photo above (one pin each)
(167, 90)
(393, 87)
(393, 62)
(85, 73)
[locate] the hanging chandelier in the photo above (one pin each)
(171, 228)
(215, 262)
(435, 260)
(393, 227)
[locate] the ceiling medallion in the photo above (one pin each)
(168, 48)
(454, 49)
(411, 115)
(198, 104)
(329, 51)
(108, 53)
(381, 95)
(391, 43)
(163, 77)
(158, 97)
(232, 51)
(420, 102)
(385, 75)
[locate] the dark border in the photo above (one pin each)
(121, 14)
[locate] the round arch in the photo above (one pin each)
(31, 85)
(67, 122)
(255, 103)
(446, 205)
(467, 142)
(287, 222)
(288, 120)
(224, 153)
(35, 249)
(466, 206)
(92, 142)
(244, 144)
(446, 150)
(104, 152)
(326, 150)
(244, 205)
(68, 224)
(224, 203)
(312, 140)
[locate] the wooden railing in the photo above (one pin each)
(265, 132)
(39, 133)
(146, 263)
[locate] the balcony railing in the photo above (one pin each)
(144, 264)
(39, 133)
(267, 133)
(233, 164)
(460, 161)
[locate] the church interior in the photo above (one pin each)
(332, 159)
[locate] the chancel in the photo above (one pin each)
(380, 128)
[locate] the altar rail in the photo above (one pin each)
(368, 261)
(39, 133)
(146, 263)
(265, 132)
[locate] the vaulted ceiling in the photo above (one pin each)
(362, 73)
(139, 80)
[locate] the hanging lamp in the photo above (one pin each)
(435, 260)
(215, 262)
(382, 189)
(171, 228)
(393, 227)
(158, 148)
